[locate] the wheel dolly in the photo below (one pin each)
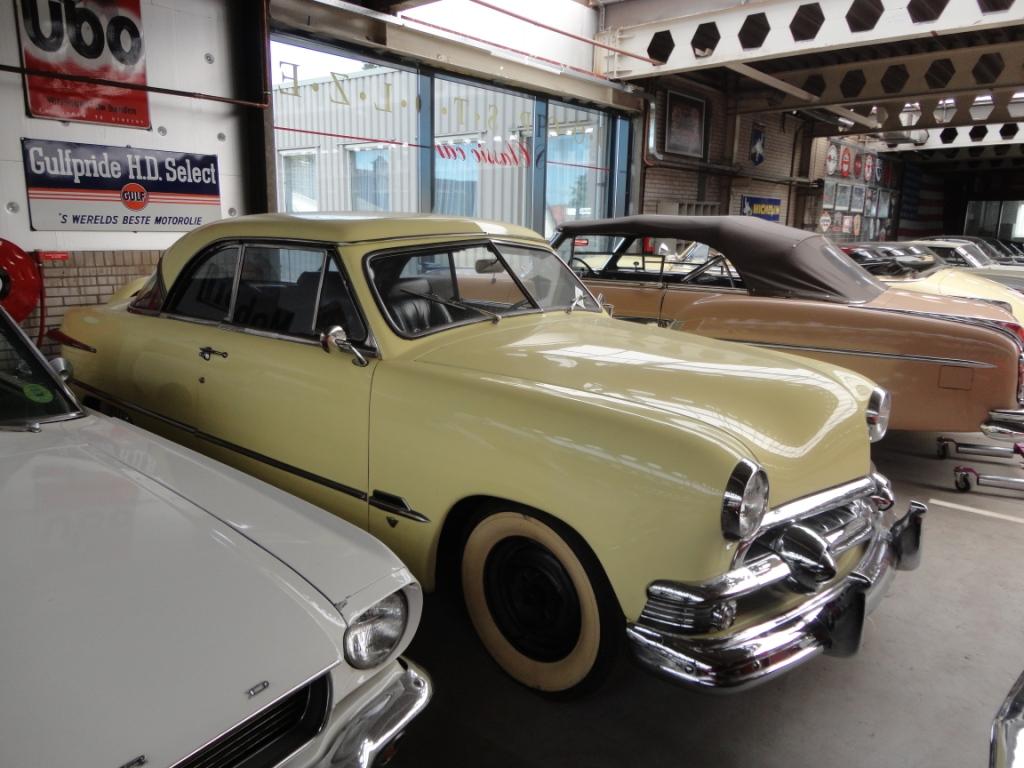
(964, 477)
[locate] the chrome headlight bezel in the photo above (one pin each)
(372, 637)
(745, 501)
(877, 413)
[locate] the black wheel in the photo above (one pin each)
(962, 482)
(540, 602)
(585, 269)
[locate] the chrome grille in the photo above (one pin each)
(843, 527)
(269, 736)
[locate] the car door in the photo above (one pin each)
(705, 279)
(275, 402)
(158, 369)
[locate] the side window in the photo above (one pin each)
(337, 307)
(278, 288)
(206, 291)
(952, 256)
(150, 297)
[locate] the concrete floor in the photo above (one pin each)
(937, 659)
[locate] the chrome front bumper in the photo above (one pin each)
(1004, 424)
(364, 725)
(827, 622)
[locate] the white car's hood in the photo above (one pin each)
(133, 621)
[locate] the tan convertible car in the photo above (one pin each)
(950, 364)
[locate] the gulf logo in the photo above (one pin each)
(134, 196)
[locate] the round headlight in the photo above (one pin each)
(877, 414)
(745, 501)
(373, 634)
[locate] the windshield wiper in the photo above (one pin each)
(494, 316)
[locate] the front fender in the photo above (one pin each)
(642, 487)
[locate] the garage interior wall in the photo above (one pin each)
(190, 45)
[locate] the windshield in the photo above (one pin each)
(29, 392)
(975, 253)
(430, 289)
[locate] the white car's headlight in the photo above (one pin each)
(877, 414)
(745, 501)
(373, 634)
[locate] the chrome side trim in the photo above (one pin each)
(864, 353)
(975, 321)
(396, 505)
(268, 460)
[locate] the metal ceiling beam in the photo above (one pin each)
(750, 33)
(805, 97)
(961, 72)
(959, 154)
(961, 138)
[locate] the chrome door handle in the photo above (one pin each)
(207, 352)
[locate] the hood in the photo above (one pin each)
(910, 301)
(134, 622)
(342, 561)
(965, 283)
(801, 419)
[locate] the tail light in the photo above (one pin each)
(1016, 329)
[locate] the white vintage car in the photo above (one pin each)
(161, 609)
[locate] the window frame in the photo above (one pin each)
(367, 346)
(493, 244)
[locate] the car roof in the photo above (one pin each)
(953, 243)
(774, 260)
(332, 228)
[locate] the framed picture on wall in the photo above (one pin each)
(828, 194)
(857, 199)
(684, 125)
(843, 197)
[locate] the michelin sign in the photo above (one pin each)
(767, 208)
(92, 187)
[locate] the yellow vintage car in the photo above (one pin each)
(452, 386)
(913, 267)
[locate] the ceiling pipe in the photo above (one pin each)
(579, 38)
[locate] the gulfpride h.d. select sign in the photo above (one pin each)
(92, 187)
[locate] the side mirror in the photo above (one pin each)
(336, 337)
(62, 368)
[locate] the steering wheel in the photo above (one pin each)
(587, 270)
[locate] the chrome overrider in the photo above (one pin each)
(367, 726)
(1006, 423)
(693, 633)
(1006, 747)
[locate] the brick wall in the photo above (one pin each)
(773, 173)
(675, 179)
(87, 277)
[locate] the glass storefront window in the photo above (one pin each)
(354, 135)
(345, 132)
(483, 152)
(577, 165)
